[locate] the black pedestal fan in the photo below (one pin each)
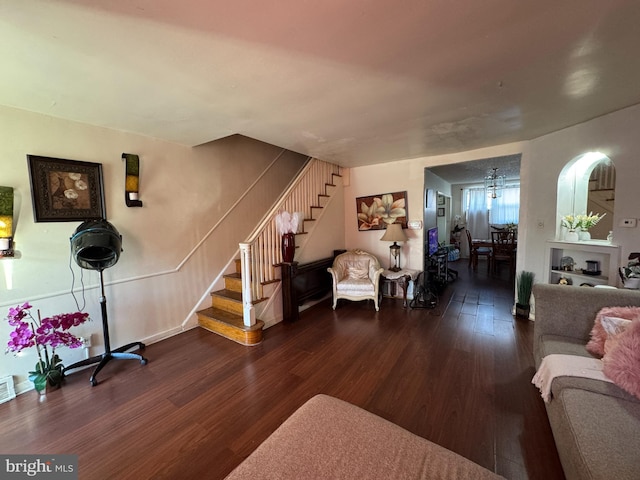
(96, 245)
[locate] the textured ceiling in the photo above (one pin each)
(353, 82)
(475, 171)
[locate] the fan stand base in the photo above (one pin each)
(117, 354)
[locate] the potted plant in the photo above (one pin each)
(456, 231)
(571, 223)
(630, 275)
(585, 222)
(46, 334)
(524, 283)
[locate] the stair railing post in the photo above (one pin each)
(248, 312)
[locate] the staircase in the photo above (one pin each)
(224, 316)
(232, 314)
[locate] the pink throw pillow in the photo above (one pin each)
(622, 363)
(599, 336)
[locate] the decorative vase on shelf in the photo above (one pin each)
(288, 247)
(584, 235)
(572, 236)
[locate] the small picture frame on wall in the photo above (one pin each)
(441, 199)
(441, 212)
(66, 190)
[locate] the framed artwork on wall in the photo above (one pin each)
(375, 212)
(441, 211)
(66, 190)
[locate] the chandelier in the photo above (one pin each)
(493, 184)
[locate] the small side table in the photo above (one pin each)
(403, 277)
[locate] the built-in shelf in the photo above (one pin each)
(578, 275)
(602, 251)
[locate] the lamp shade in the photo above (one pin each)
(394, 233)
(96, 245)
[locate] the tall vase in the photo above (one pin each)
(571, 236)
(288, 247)
(584, 235)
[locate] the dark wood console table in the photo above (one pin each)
(304, 282)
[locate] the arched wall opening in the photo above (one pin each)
(573, 188)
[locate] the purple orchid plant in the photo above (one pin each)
(44, 334)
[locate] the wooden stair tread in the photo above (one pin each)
(229, 294)
(227, 317)
(230, 325)
(234, 296)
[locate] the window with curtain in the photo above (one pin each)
(481, 211)
(476, 211)
(506, 208)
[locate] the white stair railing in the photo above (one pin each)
(261, 252)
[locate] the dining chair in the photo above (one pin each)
(475, 252)
(504, 250)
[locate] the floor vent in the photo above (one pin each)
(7, 392)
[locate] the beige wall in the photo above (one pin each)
(615, 135)
(400, 176)
(179, 242)
(175, 246)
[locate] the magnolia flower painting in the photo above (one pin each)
(378, 211)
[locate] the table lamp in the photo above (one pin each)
(394, 233)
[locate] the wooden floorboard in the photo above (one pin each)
(458, 375)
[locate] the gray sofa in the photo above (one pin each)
(595, 424)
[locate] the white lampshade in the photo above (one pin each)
(394, 233)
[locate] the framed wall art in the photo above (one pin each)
(375, 212)
(441, 211)
(66, 190)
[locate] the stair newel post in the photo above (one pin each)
(248, 313)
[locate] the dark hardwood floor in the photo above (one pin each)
(458, 375)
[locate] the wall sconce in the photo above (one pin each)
(6, 222)
(394, 233)
(131, 180)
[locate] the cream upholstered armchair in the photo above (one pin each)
(356, 276)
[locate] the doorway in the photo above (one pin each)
(453, 179)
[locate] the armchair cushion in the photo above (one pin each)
(355, 285)
(357, 269)
(356, 276)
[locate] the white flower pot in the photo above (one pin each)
(571, 236)
(632, 282)
(584, 235)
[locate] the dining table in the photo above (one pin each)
(478, 243)
(487, 243)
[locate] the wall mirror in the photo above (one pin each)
(587, 184)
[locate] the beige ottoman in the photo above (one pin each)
(327, 438)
